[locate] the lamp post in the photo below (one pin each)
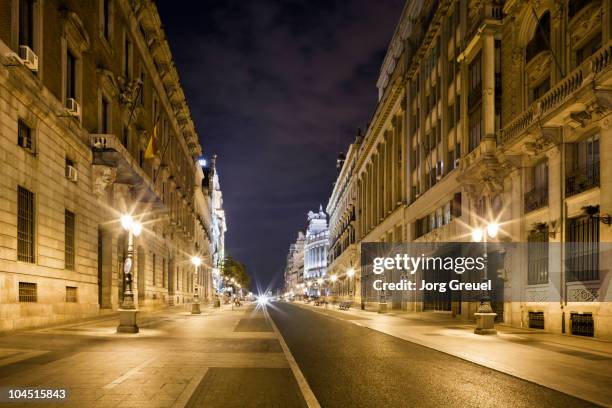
(195, 305)
(128, 314)
(485, 316)
(351, 273)
(333, 279)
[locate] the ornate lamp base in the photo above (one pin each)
(128, 321)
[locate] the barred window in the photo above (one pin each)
(69, 240)
(582, 324)
(27, 292)
(537, 256)
(25, 225)
(71, 294)
(583, 249)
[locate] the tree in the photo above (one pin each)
(237, 270)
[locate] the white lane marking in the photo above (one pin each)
(183, 399)
(128, 374)
(309, 396)
(10, 356)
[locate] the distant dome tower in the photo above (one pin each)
(315, 248)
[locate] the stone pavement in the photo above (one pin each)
(581, 367)
(221, 358)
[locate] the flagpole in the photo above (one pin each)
(140, 86)
(161, 159)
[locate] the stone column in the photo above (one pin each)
(488, 86)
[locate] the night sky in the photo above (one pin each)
(277, 89)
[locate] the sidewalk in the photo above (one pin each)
(220, 358)
(575, 366)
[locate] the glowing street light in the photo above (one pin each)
(350, 273)
(477, 234)
(333, 278)
(195, 306)
(492, 229)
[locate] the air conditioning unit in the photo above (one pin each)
(28, 58)
(71, 173)
(457, 163)
(73, 107)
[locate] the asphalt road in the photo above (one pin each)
(347, 365)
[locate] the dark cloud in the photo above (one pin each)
(277, 89)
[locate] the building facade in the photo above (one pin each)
(497, 111)
(343, 253)
(212, 186)
(294, 270)
(94, 125)
(316, 248)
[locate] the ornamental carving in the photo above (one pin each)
(538, 68)
(545, 138)
(537, 295)
(103, 177)
(584, 295)
(583, 25)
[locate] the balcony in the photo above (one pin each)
(547, 106)
(582, 179)
(536, 198)
(488, 12)
(107, 150)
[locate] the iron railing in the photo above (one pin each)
(558, 94)
(582, 179)
(536, 198)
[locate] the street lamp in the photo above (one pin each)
(195, 305)
(485, 316)
(351, 273)
(128, 313)
(333, 279)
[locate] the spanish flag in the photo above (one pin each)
(151, 151)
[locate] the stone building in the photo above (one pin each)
(316, 248)
(94, 124)
(497, 112)
(343, 252)
(294, 270)
(212, 186)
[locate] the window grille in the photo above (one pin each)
(583, 249)
(582, 324)
(69, 240)
(536, 320)
(537, 256)
(71, 294)
(25, 225)
(27, 292)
